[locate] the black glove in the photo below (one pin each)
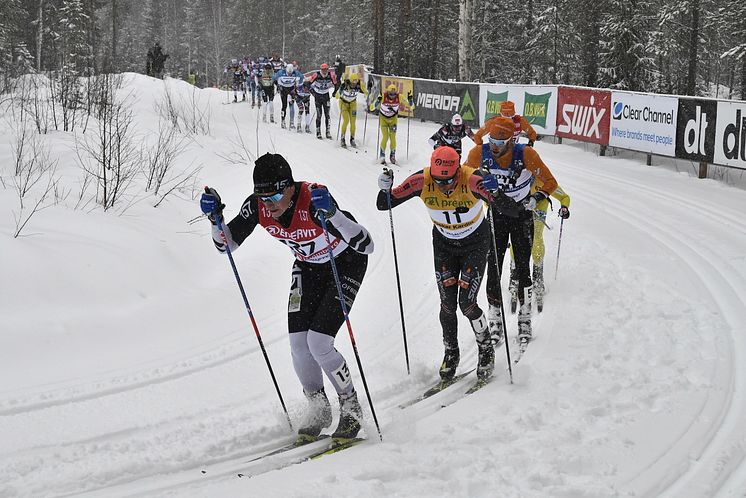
(530, 143)
(564, 212)
(211, 205)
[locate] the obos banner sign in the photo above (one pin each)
(695, 129)
(538, 104)
(644, 122)
(583, 114)
(438, 101)
(730, 134)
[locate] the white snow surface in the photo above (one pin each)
(129, 367)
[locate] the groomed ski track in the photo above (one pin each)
(634, 385)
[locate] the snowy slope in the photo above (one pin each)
(128, 365)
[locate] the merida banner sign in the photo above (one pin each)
(730, 134)
(643, 122)
(438, 101)
(583, 114)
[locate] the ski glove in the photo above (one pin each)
(211, 205)
(386, 179)
(564, 212)
(322, 201)
(490, 183)
(530, 143)
(536, 197)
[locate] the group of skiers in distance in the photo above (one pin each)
(469, 241)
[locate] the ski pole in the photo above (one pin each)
(398, 281)
(559, 245)
(365, 127)
(499, 290)
(408, 120)
(339, 120)
(251, 316)
(347, 318)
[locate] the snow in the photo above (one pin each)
(128, 365)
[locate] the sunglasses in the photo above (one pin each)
(499, 142)
(444, 181)
(272, 198)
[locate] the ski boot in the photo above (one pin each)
(318, 415)
(352, 142)
(271, 118)
(486, 362)
(524, 318)
(264, 117)
(513, 289)
(299, 128)
(235, 99)
(382, 156)
(244, 98)
(328, 134)
(292, 125)
(282, 123)
(343, 143)
(538, 277)
(392, 157)
(350, 415)
(318, 134)
(450, 362)
(495, 321)
(308, 128)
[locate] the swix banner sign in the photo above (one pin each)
(583, 114)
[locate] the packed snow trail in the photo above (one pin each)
(134, 384)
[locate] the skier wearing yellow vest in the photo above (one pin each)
(388, 105)
(347, 95)
(454, 195)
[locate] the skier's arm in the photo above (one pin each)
(411, 187)
(437, 138)
(469, 132)
(240, 227)
(528, 129)
(340, 223)
(533, 162)
(561, 196)
(474, 159)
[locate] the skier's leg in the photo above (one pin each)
(303, 300)
(352, 111)
(446, 277)
(501, 241)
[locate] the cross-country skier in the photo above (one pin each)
(290, 211)
(453, 195)
(451, 133)
(323, 83)
(303, 99)
(388, 106)
(516, 167)
(267, 85)
(277, 63)
(537, 248)
(287, 79)
(347, 95)
(238, 77)
(520, 124)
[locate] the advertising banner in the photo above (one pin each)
(404, 86)
(730, 134)
(538, 104)
(695, 129)
(644, 122)
(583, 114)
(438, 101)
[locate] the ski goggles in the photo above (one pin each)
(444, 181)
(272, 198)
(499, 142)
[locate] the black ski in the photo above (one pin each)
(440, 386)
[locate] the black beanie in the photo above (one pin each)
(271, 174)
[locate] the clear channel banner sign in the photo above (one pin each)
(644, 122)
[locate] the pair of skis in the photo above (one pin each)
(315, 448)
